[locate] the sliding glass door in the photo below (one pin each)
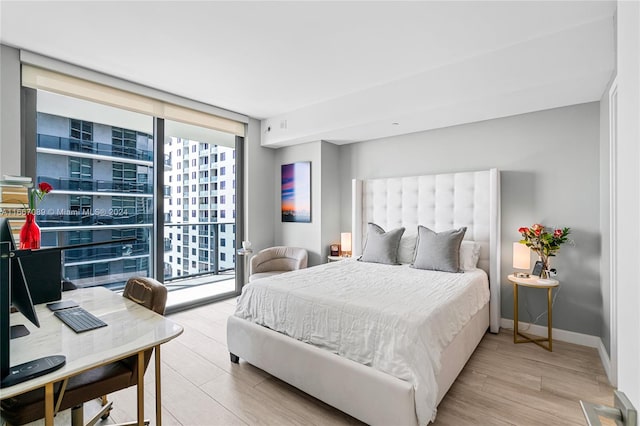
(199, 238)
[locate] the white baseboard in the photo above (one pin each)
(606, 363)
(566, 336)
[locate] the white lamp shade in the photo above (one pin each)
(521, 256)
(345, 242)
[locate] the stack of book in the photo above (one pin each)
(14, 200)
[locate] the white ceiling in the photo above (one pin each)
(339, 71)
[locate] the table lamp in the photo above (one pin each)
(345, 244)
(521, 259)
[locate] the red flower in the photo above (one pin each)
(45, 187)
(38, 194)
(523, 230)
(557, 233)
(537, 227)
(537, 231)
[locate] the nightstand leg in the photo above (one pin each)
(550, 318)
(515, 313)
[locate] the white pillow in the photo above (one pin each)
(469, 255)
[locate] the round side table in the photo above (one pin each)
(534, 282)
(247, 255)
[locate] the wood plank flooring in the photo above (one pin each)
(503, 384)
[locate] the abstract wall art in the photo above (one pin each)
(296, 192)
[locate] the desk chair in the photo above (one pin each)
(95, 383)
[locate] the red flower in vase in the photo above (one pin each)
(30, 232)
(544, 243)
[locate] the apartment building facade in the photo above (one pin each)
(199, 208)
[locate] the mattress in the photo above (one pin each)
(393, 318)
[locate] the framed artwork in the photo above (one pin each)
(296, 192)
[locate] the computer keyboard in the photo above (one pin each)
(79, 320)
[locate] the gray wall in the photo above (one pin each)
(549, 163)
(330, 195)
(259, 193)
(306, 235)
(9, 111)
(324, 228)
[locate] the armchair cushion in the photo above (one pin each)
(274, 260)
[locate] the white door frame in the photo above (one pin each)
(613, 258)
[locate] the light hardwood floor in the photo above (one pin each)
(503, 384)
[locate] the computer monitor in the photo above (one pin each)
(20, 294)
(14, 290)
(42, 271)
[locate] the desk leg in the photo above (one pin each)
(140, 388)
(549, 318)
(158, 388)
(48, 404)
(515, 313)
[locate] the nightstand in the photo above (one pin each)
(534, 282)
(247, 266)
(335, 258)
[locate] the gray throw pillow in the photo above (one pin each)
(438, 251)
(381, 247)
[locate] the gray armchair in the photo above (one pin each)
(277, 260)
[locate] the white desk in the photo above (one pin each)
(131, 330)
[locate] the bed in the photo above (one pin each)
(404, 385)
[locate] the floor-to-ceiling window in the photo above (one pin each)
(98, 160)
(122, 166)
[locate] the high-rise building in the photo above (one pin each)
(102, 178)
(199, 208)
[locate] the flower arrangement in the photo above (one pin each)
(544, 243)
(38, 193)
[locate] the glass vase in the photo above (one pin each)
(545, 266)
(30, 233)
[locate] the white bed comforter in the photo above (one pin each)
(393, 318)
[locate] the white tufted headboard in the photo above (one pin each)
(439, 202)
